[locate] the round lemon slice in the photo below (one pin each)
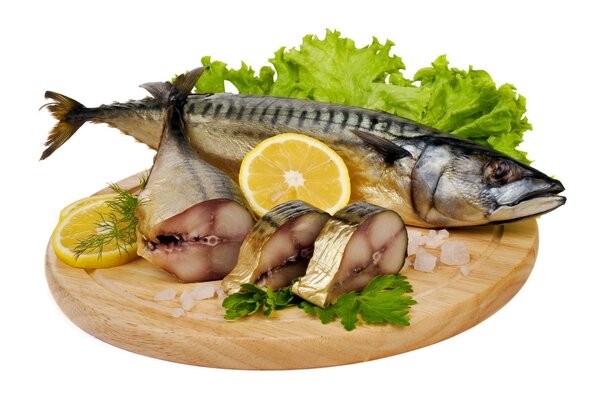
(292, 166)
(86, 200)
(80, 221)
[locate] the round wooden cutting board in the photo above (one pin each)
(117, 306)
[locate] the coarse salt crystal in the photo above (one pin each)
(454, 252)
(165, 295)
(424, 261)
(202, 292)
(415, 237)
(464, 270)
(187, 300)
(178, 312)
(412, 248)
(434, 238)
(443, 233)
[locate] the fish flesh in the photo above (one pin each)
(277, 249)
(431, 178)
(359, 242)
(192, 217)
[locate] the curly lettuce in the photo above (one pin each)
(468, 104)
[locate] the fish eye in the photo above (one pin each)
(500, 172)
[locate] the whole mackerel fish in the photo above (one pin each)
(431, 178)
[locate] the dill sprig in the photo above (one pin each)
(117, 226)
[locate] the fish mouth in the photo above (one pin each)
(551, 189)
(540, 197)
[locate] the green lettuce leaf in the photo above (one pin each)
(468, 104)
(465, 103)
(244, 79)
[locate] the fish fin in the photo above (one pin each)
(389, 150)
(158, 90)
(177, 91)
(62, 108)
(184, 83)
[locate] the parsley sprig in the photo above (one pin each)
(383, 300)
(252, 299)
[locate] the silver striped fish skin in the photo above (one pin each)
(430, 178)
(359, 242)
(278, 247)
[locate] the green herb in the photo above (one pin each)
(384, 300)
(252, 299)
(118, 226)
(465, 103)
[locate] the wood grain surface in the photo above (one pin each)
(117, 306)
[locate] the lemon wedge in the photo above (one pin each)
(292, 166)
(79, 221)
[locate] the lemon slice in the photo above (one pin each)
(291, 166)
(86, 200)
(78, 223)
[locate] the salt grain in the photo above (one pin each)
(454, 252)
(187, 300)
(464, 270)
(202, 292)
(415, 239)
(178, 312)
(424, 261)
(434, 239)
(412, 248)
(165, 295)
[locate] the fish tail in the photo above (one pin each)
(64, 109)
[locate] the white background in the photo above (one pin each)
(544, 342)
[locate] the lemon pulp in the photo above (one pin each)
(292, 166)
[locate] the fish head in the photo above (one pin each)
(461, 184)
